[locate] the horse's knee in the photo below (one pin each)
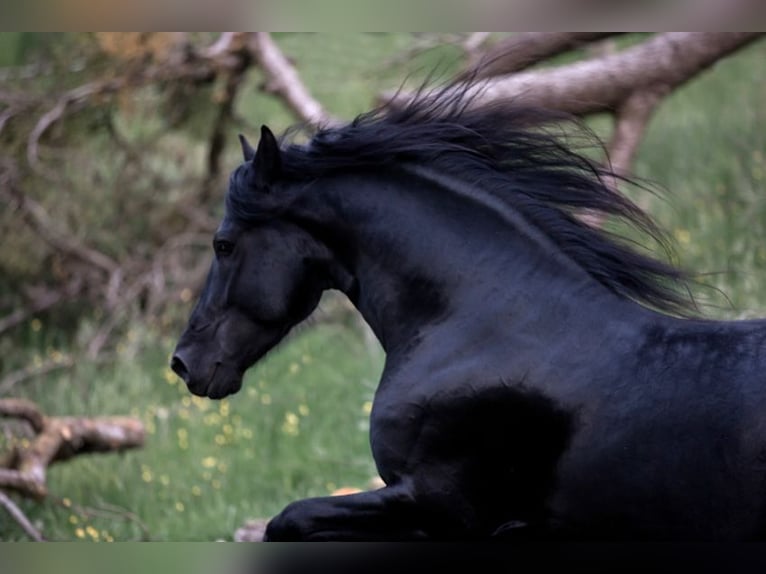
(385, 514)
(293, 524)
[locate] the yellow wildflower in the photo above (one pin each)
(209, 462)
(92, 532)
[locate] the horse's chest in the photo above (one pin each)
(394, 432)
(500, 432)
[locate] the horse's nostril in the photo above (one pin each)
(180, 368)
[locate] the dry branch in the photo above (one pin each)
(218, 135)
(283, 79)
(59, 439)
(71, 99)
(42, 223)
(603, 84)
(20, 518)
(96, 272)
(475, 41)
(629, 84)
(525, 49)
(232, 54)
(631, 119)
(195, 66)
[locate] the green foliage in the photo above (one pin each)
(10, 48)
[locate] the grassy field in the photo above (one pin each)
(707, 147)
(299, 426)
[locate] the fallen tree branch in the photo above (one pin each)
(39, 220)
(226, 48)
(232, 53)
(525, 49)
(197, 66)
(59, 439)
(629, 84)
(630, 122)
(631, 119)
(120, 281)
(218, 136)
(603, 84)
(284, 81)
(474, 42)
(20, 518)
(25, 410)
(70, 99)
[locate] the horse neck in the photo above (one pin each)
(421, 254)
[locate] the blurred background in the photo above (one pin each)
(115, 150)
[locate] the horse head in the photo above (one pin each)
(266, 277)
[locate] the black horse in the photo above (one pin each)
(543, 378)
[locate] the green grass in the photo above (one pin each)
(299, 426)
(707, 147)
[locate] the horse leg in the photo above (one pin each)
(387, 514)
(481, 464)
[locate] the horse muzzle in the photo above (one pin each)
(214, 381)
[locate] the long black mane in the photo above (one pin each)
(529, 157)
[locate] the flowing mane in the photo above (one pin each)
(511, 152)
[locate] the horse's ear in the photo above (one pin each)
(247, 150)
(267, 162)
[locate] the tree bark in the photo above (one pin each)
(20, 518)
(628, 84)
(59, 439)
(283, 79)
(601, 85)
(631, 119)
(525, 49)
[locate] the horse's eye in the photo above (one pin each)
(223, 247)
